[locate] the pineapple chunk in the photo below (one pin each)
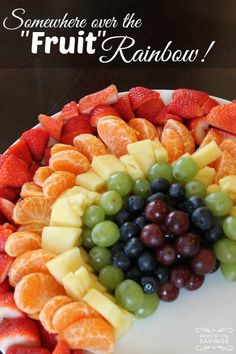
(59, 239)
(133, 168)
(143, 153)
(66, 262)
(73, 286)
(233, 211)
(63, 214)
(160, 152)
(90, 197)
(212, 188)
(206, 175)
(206, 154)
(88, 280)
(108, 309)
(106, 165)
(91, 181)
(78, 203)
(127, 322)
(228, 184)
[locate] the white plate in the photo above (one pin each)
(172, 329)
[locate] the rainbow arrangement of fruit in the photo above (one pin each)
(114, 204)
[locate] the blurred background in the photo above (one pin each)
(30, 84)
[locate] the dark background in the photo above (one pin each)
(31, 84)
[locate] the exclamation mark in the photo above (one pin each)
(208, 50)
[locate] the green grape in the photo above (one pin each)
(121, 183)
(111, 276)
(105, 234)
(229, 271)
(229, 227)
(160, 169)
(142, 187)
(149, 305)
(99, 257)
(184, 169)
(129, 295)
(111, 202)
(219, 203)
(93, 215)
(195, 187)
(225, 251)
(86, 237)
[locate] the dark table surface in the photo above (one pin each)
(28, 88)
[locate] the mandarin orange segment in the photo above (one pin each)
(230, 146)
(30, 189)
(144, 129)
(70, 313)
(116, 135)
(61, 147)
(21, 242)
(70, 161)
(186, 136)
(34, 290)
(49, 310)
(41, 174)
(36, 228)
(57, 183)
(29, 262)
(33, 210)
(90, 146)
(173, 143)
(211, 135)
(93, 334)
(225, 165)
(34, 316)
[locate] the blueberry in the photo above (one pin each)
(118, 246)
(135, 204)
(120, 260)
(140, 221)
(162, 274)
(156, 196)
(176, 192)
(128, 230)
(193, 203)
(149, 284)
(133, 247)
(214, 234)
(160, 185)
(202, 218)
(146, 263)
(121, 217)
(133, 273)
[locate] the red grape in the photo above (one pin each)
(180, 276)
(152, 235)
(188, 245)
(168, 292)
(166, 254)
(195, 281)
(203, 262)
(156, 211)
(177, 222)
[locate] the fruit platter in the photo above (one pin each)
(114, 213)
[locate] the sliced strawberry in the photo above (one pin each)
(70, 110)
(48, 340)
(34, 167)
(5, 262)
(52, 125)
(198, 128)
(20, 149)
(3, 157)
(4, 234)
(150, 108)
(5, 287)
(209, 104)
(6, 208)
(189, 103)
(14, 172)
(163, 116)
(100, 111)
(61, 348)
(9, 193)
(139, 95)
(37, 140)
(18, 331)
(76, 351)
(8, 308)
(18, 349)
(123, 106)
(109, 95)
(47, 155)
(77, 123)
(223, 117)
